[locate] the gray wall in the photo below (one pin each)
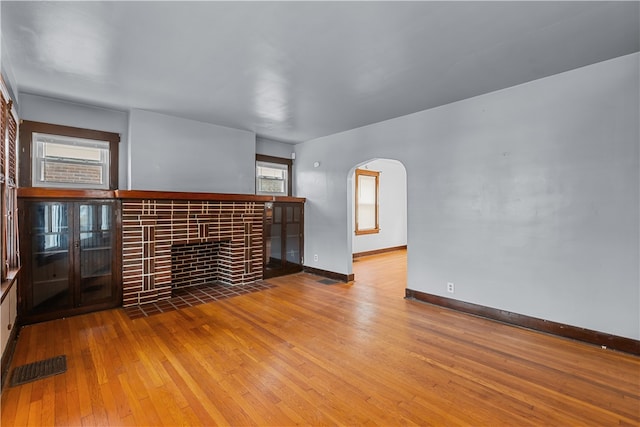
(6, 68)
(392, 211)
(173, 154)
(269, 147)
(526, 198)
(49, 110)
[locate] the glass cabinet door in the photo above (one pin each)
(71, 259)
(294, 233)
(50, 256)
(96, 251)
(283, 238)
(274, 259)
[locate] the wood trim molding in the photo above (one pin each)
(27, 128)
(281, 161)
(379, 251)
(273, 159)
(62, 193)
(605, 340)
(289, 199)
(179, 195)
(346, 278)
(375, 175)
(8, 283)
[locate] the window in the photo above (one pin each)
(367, 201)
(66, 157)
(60, 161)
(273, 176)
(9, 252)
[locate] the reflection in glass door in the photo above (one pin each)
(274, 240)
(50, 257)
(283, 240)
(294, 235)
(96, 237)
(72, 261)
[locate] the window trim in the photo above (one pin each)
(27, 129)
(376, 175)
(10, 250)
(280, 161)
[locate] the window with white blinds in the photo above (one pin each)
(366, 200)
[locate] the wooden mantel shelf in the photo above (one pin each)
(50, 193)
(63, 193)
(178, 195)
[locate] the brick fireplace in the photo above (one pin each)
(194, 263)
(219, 240)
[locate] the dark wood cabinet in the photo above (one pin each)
(283, 238)
(71, 258)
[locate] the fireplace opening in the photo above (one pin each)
(194, 264)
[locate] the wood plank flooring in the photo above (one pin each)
(312, 354)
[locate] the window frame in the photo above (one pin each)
(279, 161)
(28, 128)
(10, 251)
(376, 175)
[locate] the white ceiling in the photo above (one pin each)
(293, 71)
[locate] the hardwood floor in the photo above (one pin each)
(306, 353)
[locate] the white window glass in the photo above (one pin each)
(60, 161)
(271, 179)
(367, 198)
(366, 201)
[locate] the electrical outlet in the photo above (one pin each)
(450, 288)
(315, 257)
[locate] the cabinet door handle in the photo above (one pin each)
(76, 244)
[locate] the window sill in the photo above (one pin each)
(361, 232)
(8, 283)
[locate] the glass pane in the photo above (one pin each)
(61, 161)
(96, 289)
(277, 214)
(66, 151)
(293, 243)
(367, 189)
(272, 172)
(50, 256)
(96, 262)
(267, 250)
(105, 217)
(271, 178)
(95, 252)
(271, 185)
(87, 217)
(366, 202)
(54, 171)
(366, 217)
(275, 255)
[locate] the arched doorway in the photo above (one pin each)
(392, 210)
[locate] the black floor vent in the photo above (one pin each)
(327, 281)
(38, 370)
